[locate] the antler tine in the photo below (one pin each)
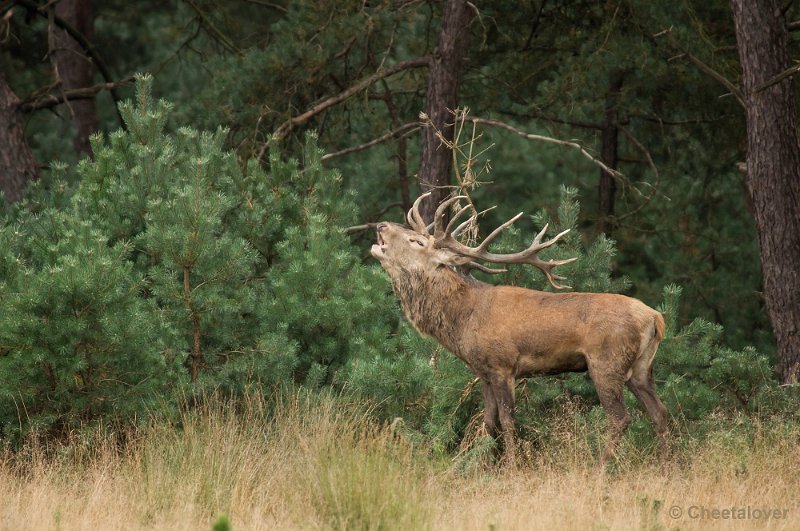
(461, 227)
(481, 267)
(548, 243)
(486, 241)
(415, 218)
(547, 267)
(469, 221)
(529, 256)
(453, 220)
(438, 231)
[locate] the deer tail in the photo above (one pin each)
(660, 327)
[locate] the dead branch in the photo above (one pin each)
(286, 127)
(547, 139)
(271, 5)
(401, 131)
(215, 32)
(359, 228)
(706, 69)
(538, 115)
(82, 41)
(777, 79)
(653, 168)
(43, 101)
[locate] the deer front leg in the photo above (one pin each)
(491, 416)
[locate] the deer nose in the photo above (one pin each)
(381, 227)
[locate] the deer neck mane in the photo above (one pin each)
(437, 303)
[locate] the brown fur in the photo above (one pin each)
(504, 332)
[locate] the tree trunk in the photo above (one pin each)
(442, 97)
(773, 168)
(609, 154)
(75, 70)
(17, 165)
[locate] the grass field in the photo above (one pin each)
(318, 465)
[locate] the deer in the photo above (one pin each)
(504, 333)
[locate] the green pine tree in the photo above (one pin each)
(79, 343)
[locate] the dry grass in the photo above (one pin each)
(318, 465)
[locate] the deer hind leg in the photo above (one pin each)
(642, 385)
(609, 390)
(503, 390)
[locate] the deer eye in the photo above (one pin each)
(419, 242)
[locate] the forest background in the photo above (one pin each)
(184, 185)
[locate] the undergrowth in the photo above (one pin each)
(315, 461)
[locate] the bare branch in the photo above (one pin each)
(777, 79)
(83, 42)
(324, 105)
(215, 32)
(43, 101)
(549, 140)
(271, 5)
(359, 228)
(724, 81)
(539, 115)
(396, 133)
(370, 224)
(653, 167)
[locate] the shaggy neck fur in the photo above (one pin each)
(437, 304)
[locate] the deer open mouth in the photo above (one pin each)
(379, 249)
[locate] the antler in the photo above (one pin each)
(445, 237)
(415, 218)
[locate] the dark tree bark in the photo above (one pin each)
(772, 178)
(609, 154)
(442, 97)
(17, 165)
(75, 69)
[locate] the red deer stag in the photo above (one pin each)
(505, 332)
